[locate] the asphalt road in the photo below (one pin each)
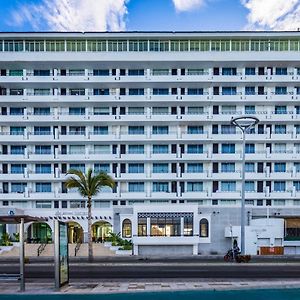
(144, 271)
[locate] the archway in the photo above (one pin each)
(40, 233)
(75, 233)
(100, 231)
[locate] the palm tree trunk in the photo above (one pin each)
(90, 242)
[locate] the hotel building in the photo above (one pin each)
(153, 110)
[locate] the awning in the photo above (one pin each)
(16, 219)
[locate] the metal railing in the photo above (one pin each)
(77, 247)
(41, 248)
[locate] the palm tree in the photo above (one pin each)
(89, 185)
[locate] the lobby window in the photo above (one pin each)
(126, 229)
(160, 149)
(142, 226)
(280, 110)
(280, 129)
(249, 71)
(204, 228)
(250, 148)
(188, 225)
(194, 168)
(195, 130)
(165, 225)
(194, 187)
(249, 186)
(228, 186)
(228, 167)
(136, 130)
(280, 90)
(136, 149)
(279, 186)
(160, 168)
(279, 167)
(98, 168)
(195, 149)
(228, 148)
(136, 168)
(136, 187)
(17, 168)
(43, 168)
(250, 90)
(160, 130)
(43, 187)
(160, 187)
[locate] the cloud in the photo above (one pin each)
(72, 15)
(273, 14)
(187, 5)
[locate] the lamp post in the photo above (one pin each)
(244, 123)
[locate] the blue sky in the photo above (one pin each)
(114, 15)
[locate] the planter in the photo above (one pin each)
(16, 244)
(124, 252)
(107, 244)
(5, 248)
(114, 248)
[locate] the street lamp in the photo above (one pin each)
(244, 123)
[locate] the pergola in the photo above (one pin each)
(21, 220)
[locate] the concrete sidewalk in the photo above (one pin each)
(125, 286)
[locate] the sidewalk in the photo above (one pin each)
(125, 286)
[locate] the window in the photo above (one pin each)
(101, 92)
(281, 71)
(249, 186)
(142, 226)
(101, 130)
(160, 130)
(280, 129)
(42, 92)
(160, 187)
(249, 167)
(41, 111)
(195, 91)
(197, 110)
(17, 130)
(76, 111)
(136, 187)
(279, 186)
(194, 187)
(228, 129)
(228, 167)
(249, 109)
(98, 111)
(101, 72)
(77, 204)
(228, 186)
(43, 168)
(43, 187)
(135, 72)
(249, 71)
(160, 168)
(160, 110)
(42, 130)
(42, 149)
(126, 229)
(229, 71)
(160, 149)
(136, 92)
(18, 187)
(280, 90)
(17, 168)
(297, 167)
(195, 130)
(279, 167)
(194, 149)
(296, 185)
(228, 148)
(160, 91)
(250, 90)
(77, 149)
(250, 148)
(77, 130)
(280, 110)
(41, 73)
(16, 111)
(188, 225)
(15, 73)
(43, 204)
(204, 228)
(228, 91)
(77, 92)
(136, 149)
(194, 168)
(78, 167)
(98, 168)
(135, 129)
(165, 225)
(17, 150)
(135, 168)
(102, 204)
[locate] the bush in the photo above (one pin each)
(5, 240)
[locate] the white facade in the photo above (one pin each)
(152, 110)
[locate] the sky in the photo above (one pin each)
(148, 15)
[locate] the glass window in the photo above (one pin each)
(136, 187)
(249, 167)
(160, 187)
(160, 91)
(280, 110)
(77, 149)
(204, 228)
(250, 90)
(228, 167)
(279, 186)
(296, 185)
(280, 129)
(41, 73)
(249, 71)
(197, 110)
(136, 149)
(136, 92)
(228, 186)
(165, 225)
(280, 90)
(17, 149)
(229, 71)
(98, 168)
(136, 130)
(195, 91)
(195, 130)
(41, 111)
(229, 91)
(43, 168)
(160, 110)
(297, 167)
(17, 130)
(16, 111)
(136, 168)
(42, 130)
(100, 92)
(135, 110)
(249, 186)
(101, 72)
(281, 71)
(188, 225)
(194, 187)
(78, 167)
(126, 229)
(135, 72)
(250, 148)
(228, 148)
(160, 149)
(280, 167)
(43, 187)
(250, 109)
(228, 129)
(195, 168)
(102, 149)
(160, 130)
(17, 168)
(42, 149)
(193, 149)
(142, 226)
(15, 73)
(76, 110)
(101, 111)
(101, 130)
(18, 187)
(160, 168)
